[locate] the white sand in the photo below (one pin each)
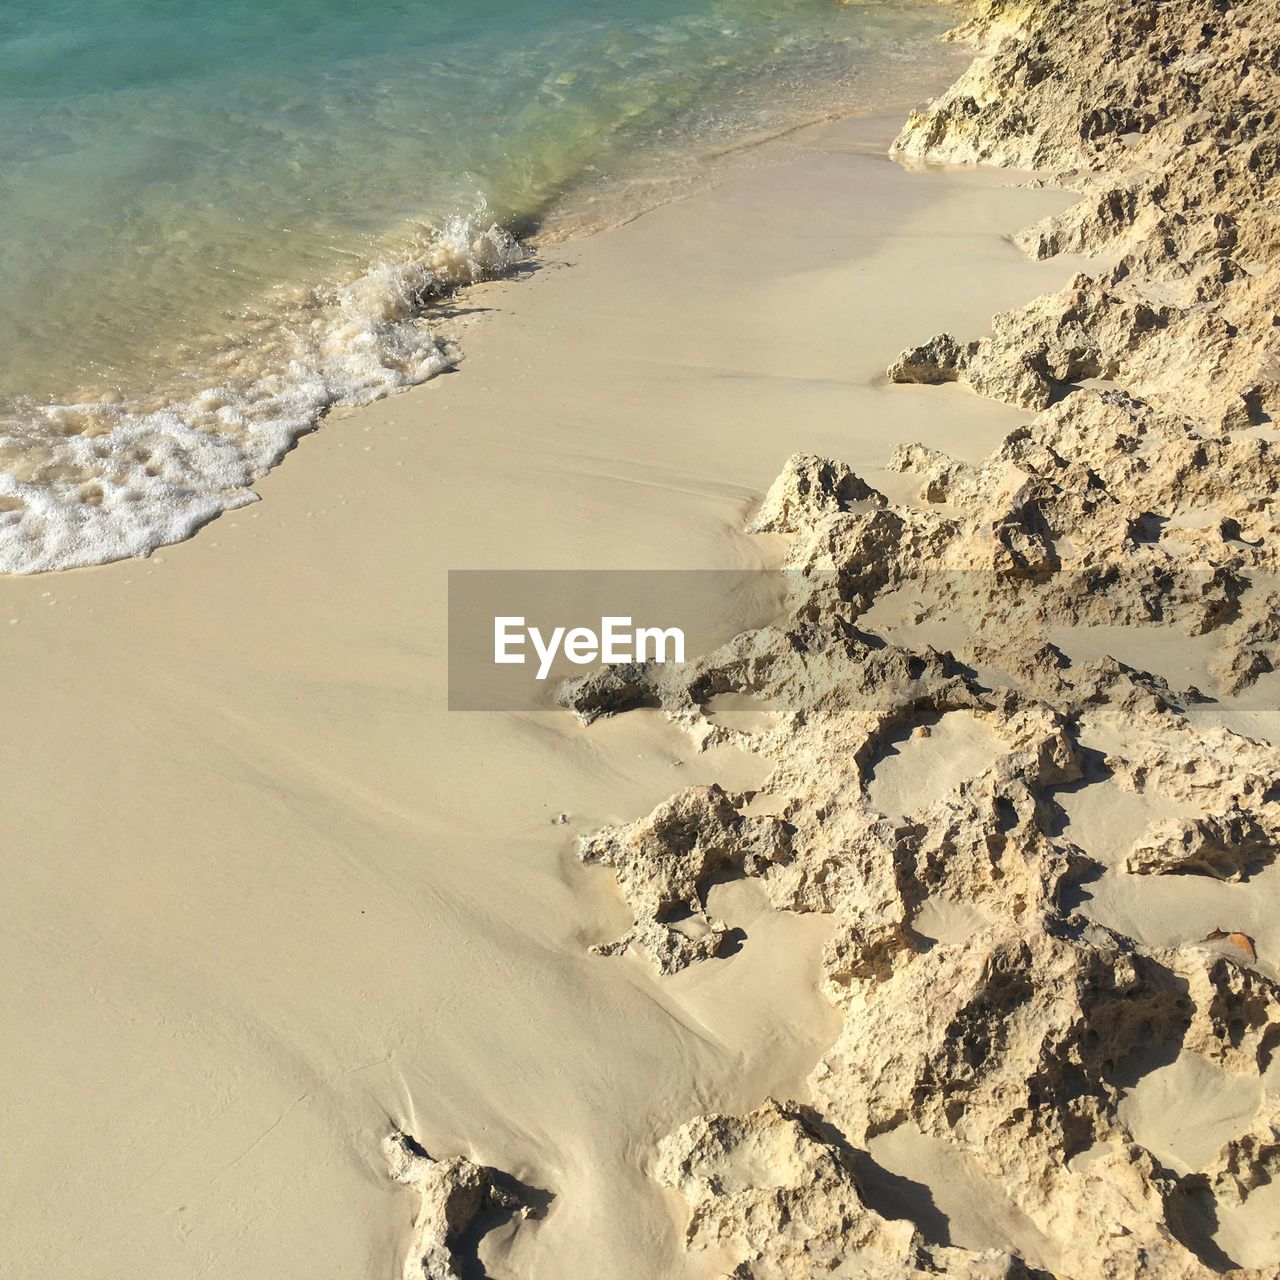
(1186, 1138)
(267, 898)
(917, 770)
(951, 1197)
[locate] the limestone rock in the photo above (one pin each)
(1226, 846)
(807, 488)
(1247, 1162)
(665, 863)
(772, 1193)
(941, 359)
(1162, 117)
(609, 691)
(450, 1195)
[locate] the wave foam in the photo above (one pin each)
(87, 483)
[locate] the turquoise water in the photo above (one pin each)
(230, 212)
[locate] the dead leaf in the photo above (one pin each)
(1242, 941)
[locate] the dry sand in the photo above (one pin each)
(267, 899)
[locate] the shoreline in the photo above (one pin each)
(307, 955)
(221, 704)
(117, 471)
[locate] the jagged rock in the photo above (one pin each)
(1210, 767)
(1106, 328)
(769, 1191)
(808, 488)
(609, 691)
(941, 359)
(1247, 1162)
(1227, 846)
(1162, 116)
(1251, 648)
(665, 862)
(450, 1195)
(1008, 1048)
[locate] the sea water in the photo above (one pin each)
(219, 218)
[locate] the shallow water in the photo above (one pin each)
(220, 217)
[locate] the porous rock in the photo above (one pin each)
(451, 1193)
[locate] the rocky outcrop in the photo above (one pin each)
(451, 1194)
(1163, 116)
(767, 1189)
(810, 484)
(1227, 846)
(665, 862)
(1138, 494)
(1247, 1162)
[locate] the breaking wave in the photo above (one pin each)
(103, 479)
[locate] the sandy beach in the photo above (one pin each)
(270, 903)
(324, 904)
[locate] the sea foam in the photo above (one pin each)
(84, 484)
